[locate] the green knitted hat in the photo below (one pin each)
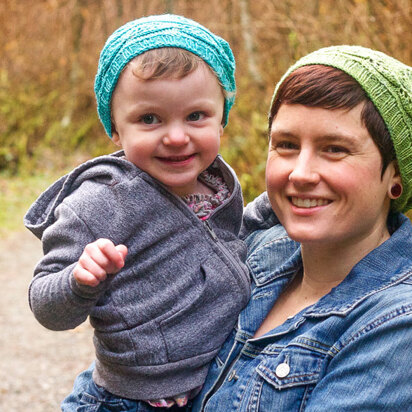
(388, 83)
(147, 33)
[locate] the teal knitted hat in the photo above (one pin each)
(388, 84)
(147, 33)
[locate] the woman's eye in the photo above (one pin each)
(149, 119)
(283, 147)
(195, 116)
(336, 150)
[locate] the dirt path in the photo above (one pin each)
(38, 366)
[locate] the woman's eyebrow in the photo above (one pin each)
(283, 133)
(321, 137)
(338, 138)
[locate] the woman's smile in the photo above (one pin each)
(323, 175)
(308, 202)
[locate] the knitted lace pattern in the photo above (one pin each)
(167, 30)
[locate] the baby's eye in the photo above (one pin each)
(149, 119)
(195, 116)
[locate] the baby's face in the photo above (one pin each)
(170, 128)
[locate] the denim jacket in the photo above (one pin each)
(350, 351)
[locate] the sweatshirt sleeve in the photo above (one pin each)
(258, 215)
(55, 298)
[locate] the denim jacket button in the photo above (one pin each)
(282, 370)
(232, 375)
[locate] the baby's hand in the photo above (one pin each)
(99, 259)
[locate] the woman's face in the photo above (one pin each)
(323, 176)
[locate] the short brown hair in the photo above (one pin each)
(330, 88)
(169, 63)
(165, 62)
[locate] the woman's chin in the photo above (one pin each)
(307, 236)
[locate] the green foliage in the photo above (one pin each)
(16, 195)
(48, 120)
(35, 134)
(23, 114)
(245, 143)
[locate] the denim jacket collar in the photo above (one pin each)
(388, 264)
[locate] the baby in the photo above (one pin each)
(145, 240)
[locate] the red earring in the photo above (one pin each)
(396, 190)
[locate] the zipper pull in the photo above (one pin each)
(211, 231)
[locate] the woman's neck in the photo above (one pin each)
(325, 266)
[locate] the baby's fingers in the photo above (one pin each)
(89, 269)
(84, 277)
(99, 259)
(122, 249)
(113, 256)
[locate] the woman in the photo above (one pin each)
(329, 324)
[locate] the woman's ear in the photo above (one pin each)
(395, 188)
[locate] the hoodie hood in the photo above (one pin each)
(106, 169)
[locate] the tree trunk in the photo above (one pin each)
(249, 42)
(77, 23)
(170, 6)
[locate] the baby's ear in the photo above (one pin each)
(115, 135)
(116, 138)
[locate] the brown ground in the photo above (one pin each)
(37, 366)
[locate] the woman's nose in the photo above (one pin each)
(305, 170)
(176, 136)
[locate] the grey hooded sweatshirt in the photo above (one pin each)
(161, 320)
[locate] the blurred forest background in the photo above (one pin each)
(48, 58)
